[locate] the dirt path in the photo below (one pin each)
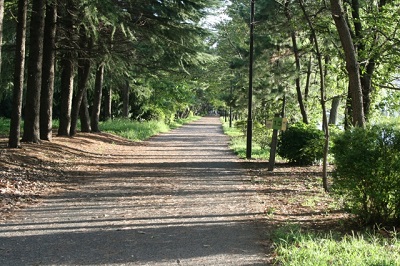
(179, 198)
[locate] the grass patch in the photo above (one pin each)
(126, 128)
(238, 143)
(296, 247)
(137, 131)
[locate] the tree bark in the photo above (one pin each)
(49, 54)
(67, 63)
(34, 83)
(84, 114)
(84, 65)
(95, 117)
(15, 123)
(352, 65)
(67, 88)
(334, 110)
(83, 77)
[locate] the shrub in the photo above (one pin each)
(261, 135)
(242, 126)
(367, 172)
(301, 144)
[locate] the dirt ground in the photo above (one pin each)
(290, 195)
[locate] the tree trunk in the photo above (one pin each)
(83, 77)
(298, 66)
(67, 88)
(84, 65)
(95, 117)
(334, 110)
(46, 96)
(323, 98)
(352, 65)
(125, 101)
(34, 83)
(67, 62)
(308, 79)
(19, 68)
(84, 114)
(108, 104)
(368, 66)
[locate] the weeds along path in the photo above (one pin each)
(178, 198)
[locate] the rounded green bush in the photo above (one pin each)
(301, 144)
(367, 172)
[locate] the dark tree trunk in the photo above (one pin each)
(95, 116)
(308, 80)
(84, 114)
(84, 65)
(19, 67)
(352, 65)
(125, 100)
(83, 77)
(46, 96)
(67, 88)
(67, 63)
(367, 68)
(334, 110)
(34, 83)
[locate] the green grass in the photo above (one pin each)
(238, 143)
(136, 131)
(295, 247)
(126, 128)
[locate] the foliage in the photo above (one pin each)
(301, 144)
(262, 135)
(297, 247)
(367, 172)
(238, 143)
(4, 126)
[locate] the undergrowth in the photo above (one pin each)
(136, 131)
(296, 247)
(238, 143)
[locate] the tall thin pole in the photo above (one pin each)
(250, 108)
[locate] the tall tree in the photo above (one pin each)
(352, 65)
(34, 82)
(67, 62)
(19, 70)
(84, 65)
(296, 54)
(98, 88)
(48, 75)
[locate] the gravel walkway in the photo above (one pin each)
(181, 198)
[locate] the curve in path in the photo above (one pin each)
(180, 198)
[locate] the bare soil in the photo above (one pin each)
(288, 195)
